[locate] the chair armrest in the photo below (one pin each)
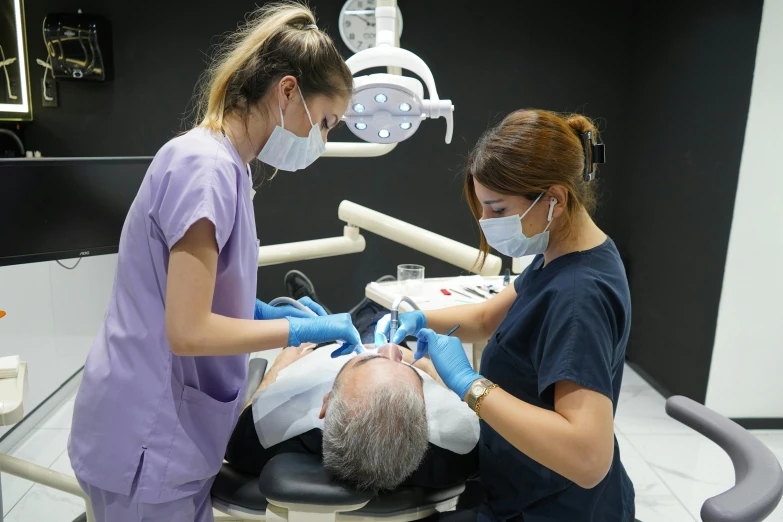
(254, 376)
(758, 476)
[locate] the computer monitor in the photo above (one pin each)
(61, 208)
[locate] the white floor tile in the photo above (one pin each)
(773, 439)
(652, 508)
(14, 489)
(693, 467)
(631, 378)
(641, 410)
(645, 481)
(60, 418)
(63, 465)
(42, 503)
(41, 447)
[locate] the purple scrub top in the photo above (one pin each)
(142, 412)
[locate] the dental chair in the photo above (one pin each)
(297, 488)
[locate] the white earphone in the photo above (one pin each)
(552, 203)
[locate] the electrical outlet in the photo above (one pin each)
(49, 90)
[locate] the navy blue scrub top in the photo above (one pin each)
(570, 321)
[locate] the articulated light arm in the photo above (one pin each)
(417, 238)
(351, 242)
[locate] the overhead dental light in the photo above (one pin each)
(388, 108)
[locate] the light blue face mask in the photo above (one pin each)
(286, 151)
(505, 234)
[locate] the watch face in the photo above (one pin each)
(477, 390)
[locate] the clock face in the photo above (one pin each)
(357, 24)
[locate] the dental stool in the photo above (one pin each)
(296, 488)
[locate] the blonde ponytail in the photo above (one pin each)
(278, 39)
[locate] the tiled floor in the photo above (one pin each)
(673, 469)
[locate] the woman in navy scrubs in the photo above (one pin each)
(550, 375)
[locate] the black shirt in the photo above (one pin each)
(570, 321)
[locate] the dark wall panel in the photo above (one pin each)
(535, 55)
(690, 88)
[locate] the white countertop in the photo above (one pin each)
(12, 397)
(431, 297)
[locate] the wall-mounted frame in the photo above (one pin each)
(15, 103)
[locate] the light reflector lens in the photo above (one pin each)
(380, 98)
(405, 126)
(361, 126)
(404, 107)
(383, 133)
(358, 107)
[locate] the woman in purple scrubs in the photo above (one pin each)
(163, 382)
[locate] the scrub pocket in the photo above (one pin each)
(200, 439)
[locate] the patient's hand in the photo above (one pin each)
(286, 358)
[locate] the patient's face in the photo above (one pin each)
(376, 367)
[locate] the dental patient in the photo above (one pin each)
(377, 421)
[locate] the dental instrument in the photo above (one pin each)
(507, 277)
(395, 313)
(453, 330)
(473, 292)
(296, 304)
(448, 334)
(299, 306)
(462, 294)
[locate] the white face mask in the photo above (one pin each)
(286, 151)
(505, 234)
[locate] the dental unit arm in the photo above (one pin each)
(358, 217)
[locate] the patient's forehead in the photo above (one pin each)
(370, 369)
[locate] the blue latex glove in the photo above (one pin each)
(449, 360)
(265, 311)
(409, 324)
(318, 330)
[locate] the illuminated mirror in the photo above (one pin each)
(14, 83)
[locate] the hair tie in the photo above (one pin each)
(594, 153)
(310, 27)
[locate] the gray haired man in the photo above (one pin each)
(377, 420)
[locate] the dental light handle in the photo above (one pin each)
(292, 302)
(441, 109)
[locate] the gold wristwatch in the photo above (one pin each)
(478, 390)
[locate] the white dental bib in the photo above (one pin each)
(290, 406)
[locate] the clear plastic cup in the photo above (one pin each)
(411, 277)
